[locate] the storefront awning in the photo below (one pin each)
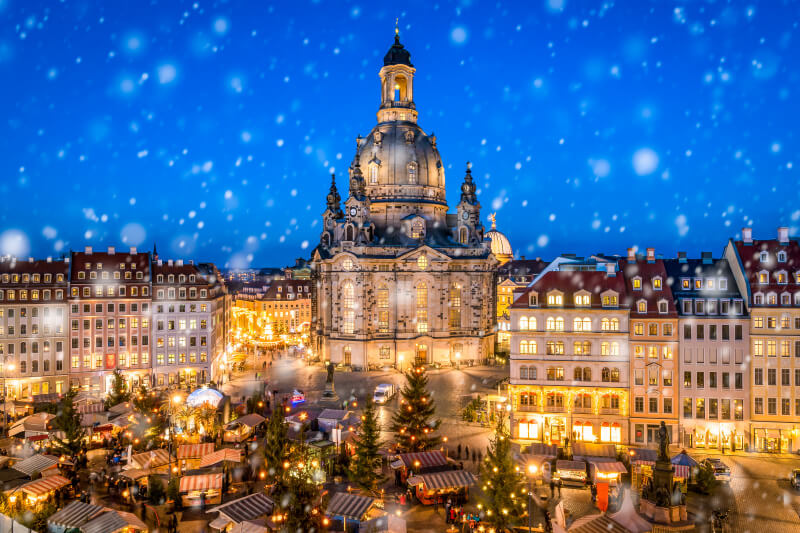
(195, 451)
(43, 486)
(571, 466)
(609, 467)
(224, 455)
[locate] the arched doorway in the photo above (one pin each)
(348, 356)
(421, 358)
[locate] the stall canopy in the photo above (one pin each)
(610, 467)
(220, 456)
(563, 465)
(74, 515)
(585, 451)
(683, 464)
(452, 479)
(36, 464)
(32, 425)
(151, 459)
(195, 451)
(135, 473)
(132, 520)
(243, 509)
(419, 461)
(643, 456)
(201, 482)
(43, 486)
(110, 522)
(251, 421)
(350, 506)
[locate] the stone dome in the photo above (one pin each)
(501, 246)
(400, 161)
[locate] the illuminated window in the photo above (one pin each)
(348, 304)
(555, 299)
(383, 309)
(582, 300)
(422, 308)
(412, 173)
(455, 306)
(657, 284)
(373, 173)
(422, 262)
(637, 284)
(418, 229)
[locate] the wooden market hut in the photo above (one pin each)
(191, 455)
(429, 488)
(202, 488)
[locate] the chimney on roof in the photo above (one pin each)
(87, 250)
(631, 254)
(66, 259)
(747, 235)
(111, 250)
(681, 257)
(611, 270)
(169, 263)
(706, 256)
(49, 259)
(160, 262)
(30, 260)
(651, 255)
(191, 261)
(133, 250)
(783, 235)
(179, 262)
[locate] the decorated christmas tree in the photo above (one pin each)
(366, 462)
(503, 484)
(414, 422)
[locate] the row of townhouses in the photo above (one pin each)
(605, 348)
(71, 322)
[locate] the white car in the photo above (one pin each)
(383, 393)
(721, 471)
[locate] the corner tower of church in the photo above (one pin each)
(400, 280)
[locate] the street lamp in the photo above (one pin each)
(531, 473)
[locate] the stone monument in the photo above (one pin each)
(329, 394)
(662, 501)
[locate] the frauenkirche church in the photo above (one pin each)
(400, 280)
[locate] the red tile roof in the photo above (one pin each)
(648, 271)
(750, 256)
(571, 282)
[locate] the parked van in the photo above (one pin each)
(383, 393)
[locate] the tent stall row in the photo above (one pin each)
(440, 485)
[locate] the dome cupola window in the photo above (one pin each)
(412, 172)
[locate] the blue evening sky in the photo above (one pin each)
(211, 127)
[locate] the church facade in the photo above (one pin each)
(400, 280)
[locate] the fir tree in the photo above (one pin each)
(68, 421)
(276, 446)
(503, 485)
(299, 495)
(119, 391)
(413, 423)
(365, 463)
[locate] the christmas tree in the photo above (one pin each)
(503, 486)
(276, 445)
(413, 422)
(365, 463)
(68, 421)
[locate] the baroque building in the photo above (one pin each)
(399, 279)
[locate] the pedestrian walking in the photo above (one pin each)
(552, 488)
(458, 451)
(473, 457)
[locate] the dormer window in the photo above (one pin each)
(686, 284)
(582, 300)
(412, 172)
(698, 284)
(641, 306)
(764, 256)
(662, 306)
(637, 284)
(758, 299)
(533, 300)
(723, 284)
(657, 284)
(763, 277)
(555, 299)
(782, 278)
(781, 257)
(610, 300)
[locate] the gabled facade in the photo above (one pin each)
(713, 327)
(768, 272)
(653, 348)
(569, 358)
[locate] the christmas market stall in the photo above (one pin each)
(643, 460)
(606, 471)
(571, 471)
(72, 517)
(683, 467)
(201, 489)
(157, 460)
(243, 427)
(438, 486)
(407, 464)
(351, 510)
(191, 455)
(240, 512)
(39, 490)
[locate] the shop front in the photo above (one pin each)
(715, 437)
(772, 440)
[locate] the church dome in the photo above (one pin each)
(400, 161)
(501, 246)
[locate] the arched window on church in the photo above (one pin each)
(349, 307)
(418, 229)
(349, 232)
(373, 173)
(412, 172)
(463, 235)
(383, 309)
(422, 307)
(455, 306)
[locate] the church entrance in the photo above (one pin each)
(348, 356)
(422, 355)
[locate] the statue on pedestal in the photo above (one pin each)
(329, 393)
